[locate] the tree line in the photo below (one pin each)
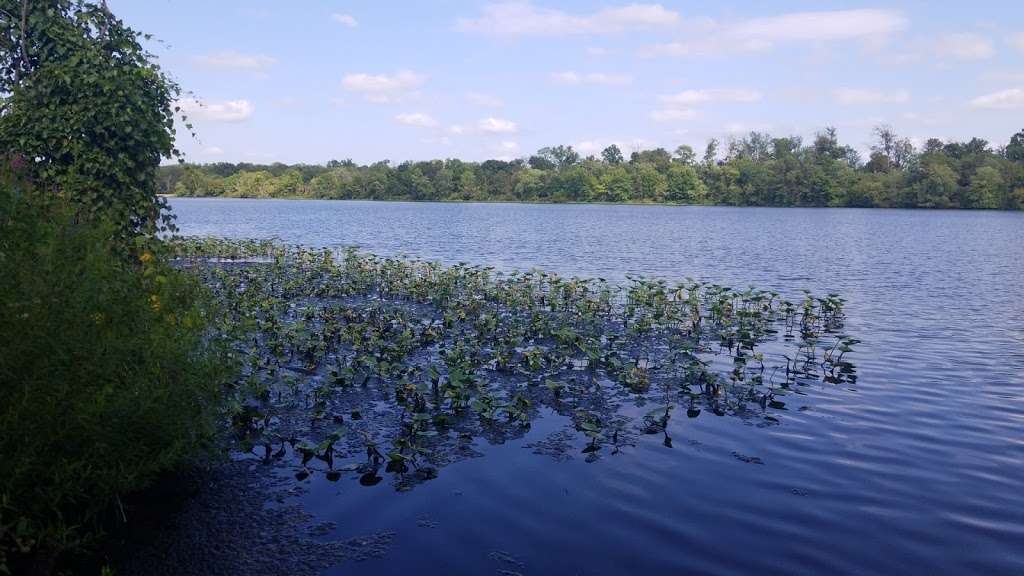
(755, 170)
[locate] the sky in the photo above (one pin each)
(313, 81)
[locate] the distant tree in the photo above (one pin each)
(758, 170)
(541, 162)
(612, 155)
(986, 188)
(684, 185)
(560, 156)
(617, 185)
(711, 152)
(936, 186)
(659, 157)
(891, 151)
(685, 155)
(1015, 149)
(933, 146)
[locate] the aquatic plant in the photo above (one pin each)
(425, 359)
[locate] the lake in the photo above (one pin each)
(917, 468)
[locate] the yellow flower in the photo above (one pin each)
(146, 257)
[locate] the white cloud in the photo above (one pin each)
(710, 38)
(694, 97)
(1017, 41)
(965, 46)
(443, 140)
(824, 25)
(679, 106)
(226, 111)
(1011, 99)
(570, 77)
(597, 51)
(673, 114)
(417, 119)
(496, 126)
(230, 60)
(287, 103)
(588, 147)
(525, 19)
(566, 77)
(508, 146)
(485, 100)
(855, 96)
(213, 151)
(735, 128)
(595, 147)
(673, 49)
(345, 20)
(715, 45)
(383, 87)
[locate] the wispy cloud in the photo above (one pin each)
(381, 88)
(222, 111)
(682, 105)
(1017, 41)
(1011, 99)
(710, 38)
(570, 77)
(485, 100)
(823, 25)
(525, 19)
(855, 96)
(707, 96)
(489, 125)
(496, 126)
(505, 150)
(233, 61)
(965, 47)
(673, 114)
(594, 147)
(345, 19)
(417, 119)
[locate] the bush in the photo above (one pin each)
(107, 375)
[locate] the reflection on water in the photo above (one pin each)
(916, 466)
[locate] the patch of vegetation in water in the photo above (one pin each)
(362, 367)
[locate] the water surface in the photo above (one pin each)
(918, 469)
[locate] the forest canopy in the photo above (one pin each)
(755, 170)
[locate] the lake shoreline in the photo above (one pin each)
(593, 203)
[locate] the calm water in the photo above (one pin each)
(919, 469)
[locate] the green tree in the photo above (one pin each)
(85, 106)
(986, 189)
(685, 155)
(936, 186)
(684, 185)
(612, 155)
(1015, 149)
(618, 186)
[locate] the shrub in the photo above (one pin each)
(107, 375)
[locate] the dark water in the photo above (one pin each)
(919, 469)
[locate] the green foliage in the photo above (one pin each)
(758, 170)
(424, 358)
(85, 107)
(107, 374)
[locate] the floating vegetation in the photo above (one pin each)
(361, 366)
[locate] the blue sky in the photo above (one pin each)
(316, 80)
